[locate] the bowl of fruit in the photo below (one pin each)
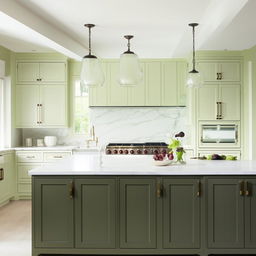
(163, 159)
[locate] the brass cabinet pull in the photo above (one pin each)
(247, 191)
(71, 190)
(218, 76)
(221, 76)
(159, 190)
(38, 114)
(30, 157)
(220, 111)
(1, 173)
(241, 190)
(57, 157)
(199, 189)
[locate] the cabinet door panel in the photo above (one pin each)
(169, 84)
(136, 94)
(53, 72)
(181, 214)
(137, 213)
(53, 213)
(230, 71)
(98, 95)
(117, 94)
(230, 101)
(225, 214)
(182, 71)
(154, 83)
(207, 102)
(27, 98)
(250, 215)
(27, 72)
(208, 70)
(95, 213)
(54, 105)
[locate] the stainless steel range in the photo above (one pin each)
(148, 148)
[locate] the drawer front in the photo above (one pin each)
(29, 157)
(55, 156)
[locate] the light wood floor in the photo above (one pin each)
(15, 229)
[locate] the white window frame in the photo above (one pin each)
(73, 95)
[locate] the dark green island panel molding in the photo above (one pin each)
(144, 215)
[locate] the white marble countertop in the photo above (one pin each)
(142, 165)
(55, 148)
(6, 150)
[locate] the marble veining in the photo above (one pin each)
(125, 124)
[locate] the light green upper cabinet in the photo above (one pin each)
(219, 102)
(27, 72)
(221, 71)
(41, 94)
(43, 72)
(153, 83)
(53, 72)
(27, 109)
(163, 84)
(53, 105)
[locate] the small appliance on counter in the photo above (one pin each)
(50, 141)
(148, 148)
(28, 142)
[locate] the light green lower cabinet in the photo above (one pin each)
(7, 177)
(95, 213)
(181, 213)
(137, 213)
(53, 209)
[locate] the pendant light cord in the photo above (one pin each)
(89, 40)
(194, 54)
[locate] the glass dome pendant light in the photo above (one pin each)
(194, 79)
(91, 72)
(130, 73)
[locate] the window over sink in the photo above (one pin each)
(80, 108)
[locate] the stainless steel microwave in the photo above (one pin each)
(219, 135)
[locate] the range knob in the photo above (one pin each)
(121, 151)
(115, 151)
(145, 151)
(132, 151)
(139, 151)
(155, 151)
(126, 151)
(108, 152)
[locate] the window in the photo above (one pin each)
(81, 108)
(1, 113)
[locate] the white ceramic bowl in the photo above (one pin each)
(162, 163)
(50, 141)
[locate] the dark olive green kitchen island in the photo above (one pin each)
(83, 207)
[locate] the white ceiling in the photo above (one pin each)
(160, 27)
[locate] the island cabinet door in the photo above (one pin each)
(181, 213)
(225, 213)
(250, 213)
(95, 207)
(137, 213)
(53, 213)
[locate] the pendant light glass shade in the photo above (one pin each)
(91, 72)
(194, 79)
(130, 73)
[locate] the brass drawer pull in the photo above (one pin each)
(199, 189)
(58, 157)
(1, 173)
(247, 191)
(30, 157)
(159, 190)
(241, 190)
(71, 190)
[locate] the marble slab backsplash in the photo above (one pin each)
(124, 124)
